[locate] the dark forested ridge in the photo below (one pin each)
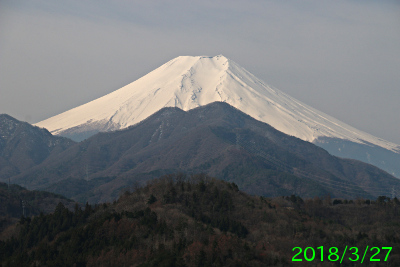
(201, 221)
(16, 201)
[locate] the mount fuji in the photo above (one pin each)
(188, 82)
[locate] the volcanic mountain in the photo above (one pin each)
(188, 82)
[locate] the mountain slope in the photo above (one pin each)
(217, 139)
(189, 82)
(23, 146)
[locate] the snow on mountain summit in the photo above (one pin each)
(188, 82)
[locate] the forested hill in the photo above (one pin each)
(200, 221)
(17, 201)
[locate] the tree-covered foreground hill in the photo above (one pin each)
(16, 201)
(200, 221)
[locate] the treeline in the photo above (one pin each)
(17, 201)
(178, 220)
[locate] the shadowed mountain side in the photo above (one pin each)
(378, 156)
(23, 146)
(216, 139)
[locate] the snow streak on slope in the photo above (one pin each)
(188, 82)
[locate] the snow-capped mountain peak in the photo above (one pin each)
(188, 82)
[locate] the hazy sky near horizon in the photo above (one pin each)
(340, 57)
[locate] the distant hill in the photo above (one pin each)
(23, 146)
(216, 139)
(201, 221)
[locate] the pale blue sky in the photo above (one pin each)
(341, 57)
